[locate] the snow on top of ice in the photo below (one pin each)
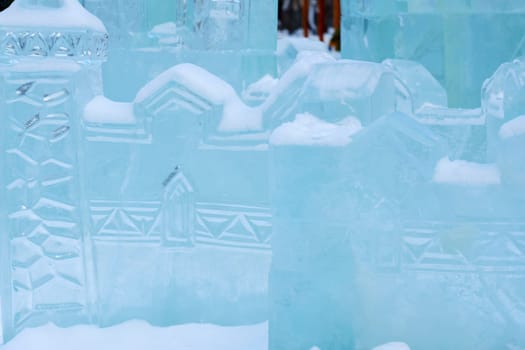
(71, 14)
(461, 172)
(167, 33)
(307, 129)
(192, 77)
(263, 86)
(392, 346)
(236, 116)
(166, 28)
(512, 128)
(138, 335)
(302, 66)
(103, 110)
(299, 44)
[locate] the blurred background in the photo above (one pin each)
(311, 17)
(297, 17)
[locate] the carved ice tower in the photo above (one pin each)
(51, 52)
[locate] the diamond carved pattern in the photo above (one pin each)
(42, 216)
(88, 44)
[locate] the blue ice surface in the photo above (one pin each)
(461, 42)
(351, 202)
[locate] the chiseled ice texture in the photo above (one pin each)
(178, 178)
(51, 55)
(503, 98)
(321, 188)
(421, 96)
(367, 92)
(234, 39)
(154, 209)
(416, 86)
(387, 238)
(447, 36)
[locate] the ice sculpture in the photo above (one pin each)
(389, 228)
(447, 37)
(155, 209)
(234, 39)
(169, 178)
(420, 95)
(367, 91)
(51, 55)
(378, 235)
(388, 213)
(320, 188)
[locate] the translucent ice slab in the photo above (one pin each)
(388, 239)
(175, 179)
(420, 95)
(234, 39)
(155, 209)
(503, 100)
(447, 37)
(332, 90)
(52, 52)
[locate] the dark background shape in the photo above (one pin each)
(5, 4)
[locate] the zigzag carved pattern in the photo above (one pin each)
(233, 225)
(82, 44)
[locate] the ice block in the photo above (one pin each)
(460, 42)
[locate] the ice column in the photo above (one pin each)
(51, 52)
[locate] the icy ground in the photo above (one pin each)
(138, 335)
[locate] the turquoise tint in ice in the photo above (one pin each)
(460, 41)
(420, 95)
(320, 189)
(185, 181)
(384, 237)
(51, 55)
(154, 209)
(407, 224)
(169, 178)
(234, 39)
(368, 90)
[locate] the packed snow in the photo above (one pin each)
(192, 79)
(302, 66)
(261, 88)
(71, 14)
(299, 44)
(393, 346)
(307, 129)
(138, 335)
(104, 110)
(461, 172)
(515, 127)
